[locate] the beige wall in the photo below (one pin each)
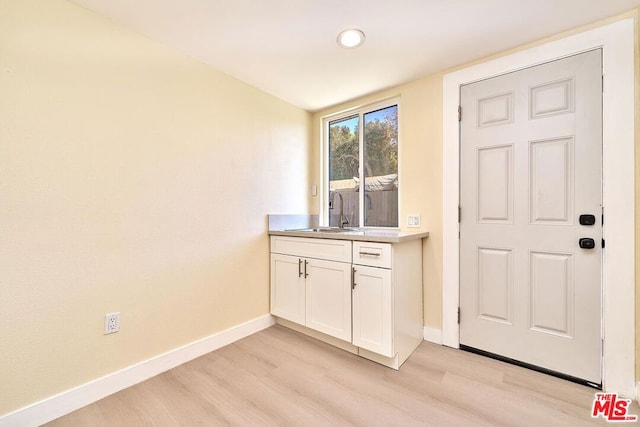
(421, 168)
(132, 179)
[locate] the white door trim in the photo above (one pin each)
(617, 43)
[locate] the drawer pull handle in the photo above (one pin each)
(305, 268)
(370, 253)
(299, 267)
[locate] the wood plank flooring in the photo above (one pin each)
(278, 377)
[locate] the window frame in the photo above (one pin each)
(360, 111)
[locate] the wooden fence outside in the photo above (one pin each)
(381, 208)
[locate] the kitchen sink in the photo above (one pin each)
(326, 230)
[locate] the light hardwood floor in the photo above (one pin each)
(280, 377)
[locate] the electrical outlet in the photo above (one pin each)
(111, 323)
(413, 220)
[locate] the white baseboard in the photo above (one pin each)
(433, 335)
(68, 401)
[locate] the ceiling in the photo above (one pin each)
(288, 47)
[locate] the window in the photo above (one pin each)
(361, 184)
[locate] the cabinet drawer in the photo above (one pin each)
(333, 250)
(372, 254)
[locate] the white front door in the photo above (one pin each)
(530, 197)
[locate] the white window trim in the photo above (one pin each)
(324, 158)
(618, 278)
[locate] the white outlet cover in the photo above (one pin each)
(413, 220)
(111, 323)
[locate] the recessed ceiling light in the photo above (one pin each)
(351, 38)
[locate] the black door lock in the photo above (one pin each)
(587, 219)
(587, 243)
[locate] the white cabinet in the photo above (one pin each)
(313, 292)
(328, 298)
(373, 310)
(366, 294)
(287, 288)
(387, 300)
(373, 254)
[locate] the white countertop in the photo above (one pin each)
(384, 236)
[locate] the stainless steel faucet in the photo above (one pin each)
(342, 220)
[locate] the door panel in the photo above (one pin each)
(551, 99)
(495, 110)
(552, 293)
(495, 184)
(531, 164)
(551, 181)
(495, 285)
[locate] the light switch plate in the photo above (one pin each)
(413, 220)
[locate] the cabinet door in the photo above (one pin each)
(288, 287)
(373, 310)
(329, 298)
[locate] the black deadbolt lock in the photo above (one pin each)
(587, 219)
(587, 243)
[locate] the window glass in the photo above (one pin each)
(344, 164)
(363, 168)
(380, 205)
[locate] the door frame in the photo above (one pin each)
(618, 278)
